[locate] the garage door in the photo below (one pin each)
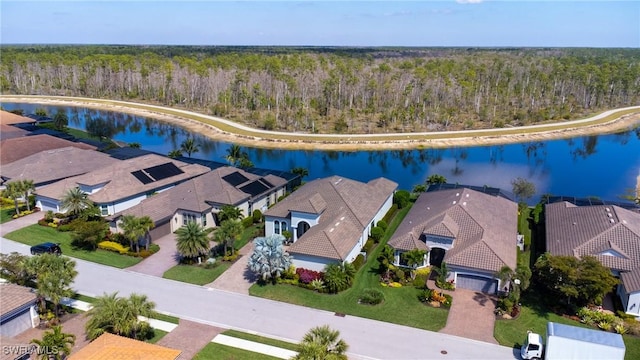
(477, 283)
(160, 230)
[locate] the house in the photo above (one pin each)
(21, 147)
(11, 132)
(200, 198)
(110, 346)
(17, 309)
(330, 219)
(9, 118)
(608, 232)
(121, 184)
(474, 232)
(48, 166)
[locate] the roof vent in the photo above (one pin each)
(609, 215)
(467, 195)
(454, 202)
(464, 203)
(611, 221)
(575, 223)
(607, 209)
(624, 221)
(331, 230)
(342, 218)
(457, 194)
(337, 181)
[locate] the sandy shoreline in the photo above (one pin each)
(259, 138)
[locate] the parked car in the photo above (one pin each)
(48, 247)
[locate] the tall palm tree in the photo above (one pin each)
(189, 147)
(228, 232)
(136, 228)
(192, 240)
(229, 212)
(54, 276)
(234, 154)
(55, 339)
(13, 191)
(175, 153)
(27, 186)
(322, 343)
(75, 201)
(300, 171)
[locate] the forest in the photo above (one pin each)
(335, 89)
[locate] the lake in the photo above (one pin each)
(604, 166)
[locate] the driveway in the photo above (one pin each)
(20, 222)
(471, 315)
(237, 278)
(161, 261)
(189, 337)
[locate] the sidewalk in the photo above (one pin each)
(254, 346)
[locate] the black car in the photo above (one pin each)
(48, 248)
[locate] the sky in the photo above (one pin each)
(465, 23)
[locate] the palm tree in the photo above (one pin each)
(322, 343)
(55, 339)
(136, 228)
(436, 179)
(189, 147)
(119, 316)
(174, 154)
(227, 233)
(60, 120)
(54, 276)
(229, 212)
(140, 305)
(75, 201)
(27, 187)
(414, 258)
(234, 154)
(192, 240)
(269, 260)
(300, 171)
(13, 191)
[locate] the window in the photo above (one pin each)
(268, 200)
(276, 227)
(204, 219)
(187, 218)
(284, 226)
(104, 210)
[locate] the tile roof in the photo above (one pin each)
(608, 232)
(51, 165)
(14, 297)
(11, 118)
(109, 347)
(119, 181)
(347, 207)
(11, 132)
(17, 148)
(199, 193)
(484, 227)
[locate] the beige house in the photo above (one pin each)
(608, 232)
(200, 198)
(330, 219)
(121, 184)
(17, 309)
(473, 232)
(109, 346)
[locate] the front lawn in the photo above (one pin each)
(534, 316)
(223, 352)
(36, 234)
(157, 335)
(401, 305)
(195, 274)
(247, 235)
(262, 340)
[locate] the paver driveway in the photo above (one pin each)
(471, 315)
(161, 261)
(237, 278)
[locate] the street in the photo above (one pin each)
(366, 338)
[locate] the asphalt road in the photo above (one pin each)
(367, 339)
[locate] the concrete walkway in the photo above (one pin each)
(471, 315)
(237, 278)
(163, 260)
(254, 346)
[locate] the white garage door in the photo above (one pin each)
(477, 283)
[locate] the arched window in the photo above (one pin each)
(284, 226)
(276, 227)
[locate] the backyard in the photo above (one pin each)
(36, 234)
(401, 305)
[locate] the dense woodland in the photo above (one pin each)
(343, 90)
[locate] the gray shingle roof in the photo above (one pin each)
(119, 181)
(347, 207)
(14, 297)
(198, 194)
(608, 232)
(55, 164)
(485, 227)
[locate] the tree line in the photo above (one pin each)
(340, 90)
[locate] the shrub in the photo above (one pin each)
(358, 262)
(144, 253)
(60, 215)
(247, 222)
(64, 228)
(233, 257)
(420, 281)
(52, 225)
(505, 304)
(317, 285)
(376, 234)
(257, 216)
(394, 284)
(306, 276)
(48, 216)
(338, 277)
(390, 214)
(368, 246)
(399, 275)
(120, 238)
(425, 295)
(290, 273)
(382, 225)
(43, 222)
(371, 297)
(154, 248)
(620, 329)
(401, 198)
(113, 246)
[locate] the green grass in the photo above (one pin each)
(262, 340)
(223, 352)
(534, 316)
(401, 305)
(247, 235)
(84, 298)
(6, 214)
(158, 334)
(36, 234)
(167, 318)
(194, 274)
(524, 258)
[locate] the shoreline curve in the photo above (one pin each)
(228, 131)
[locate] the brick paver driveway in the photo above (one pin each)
(161, 261)
(471, 315)
(189, 337)
(237, 278)
(71, 324)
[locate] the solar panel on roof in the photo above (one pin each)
(142, 177)
(264, 181)
(163, 171)
(235, 178)
(254, 188)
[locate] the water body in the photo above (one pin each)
(604, 166)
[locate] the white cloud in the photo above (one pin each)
(469, 1)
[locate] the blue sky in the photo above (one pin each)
(324, 23)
